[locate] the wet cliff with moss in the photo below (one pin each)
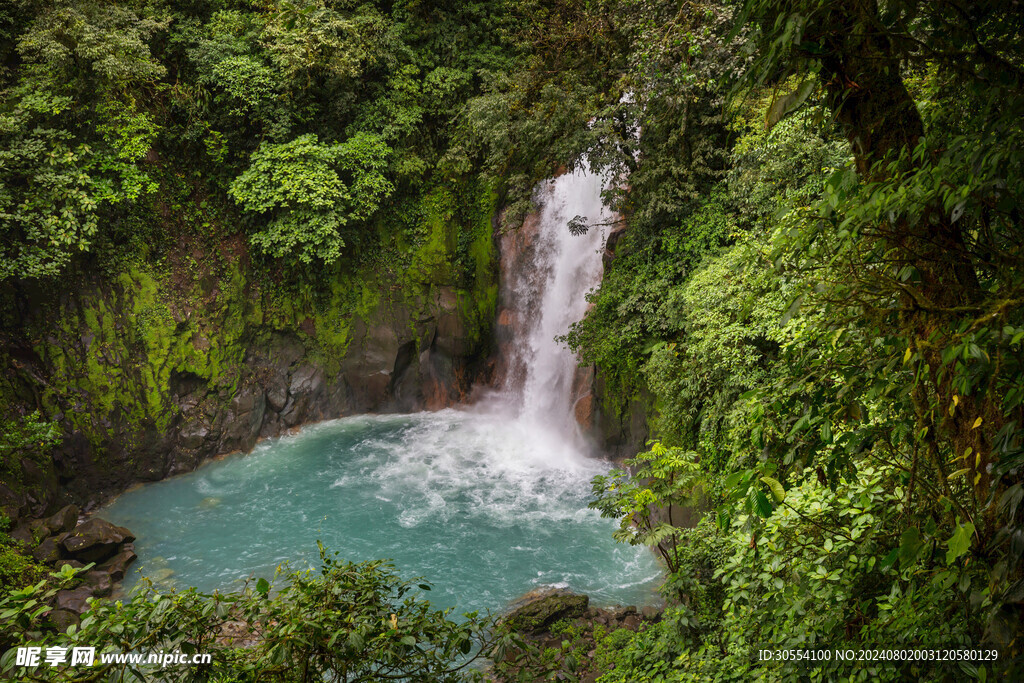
(195, 348)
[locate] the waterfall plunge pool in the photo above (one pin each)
(483, 506)
(485, 503)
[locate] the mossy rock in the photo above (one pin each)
(538, 610)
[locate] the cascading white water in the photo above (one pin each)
(546, 278)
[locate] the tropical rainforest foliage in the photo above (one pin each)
(819, 293)
(346, 622)
(302, 117)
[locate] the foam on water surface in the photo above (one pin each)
(463, 499)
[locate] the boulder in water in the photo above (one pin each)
(536, 611)
(95, 540)
(100, 582)
(117, 566)
(160, 576)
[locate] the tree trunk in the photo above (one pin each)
(861, 75)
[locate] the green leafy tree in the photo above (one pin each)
(345, 622)
(29, 435)
(305, 193)
(57, 173)
(658, 484)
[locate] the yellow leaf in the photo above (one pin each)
(907, 355)
(956, 400)
(977, 423)
(958, 473)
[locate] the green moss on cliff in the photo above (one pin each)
(113, 351)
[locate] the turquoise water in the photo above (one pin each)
(484, 507)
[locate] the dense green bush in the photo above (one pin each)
(297, 184)
(344, 622)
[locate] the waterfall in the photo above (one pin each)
(546, 274)
(489, 500)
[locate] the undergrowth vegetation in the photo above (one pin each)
(345, 622)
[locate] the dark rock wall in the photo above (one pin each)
(617, 423)
(151, 372)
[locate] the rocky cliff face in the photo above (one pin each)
(615, 424)
(153, 371)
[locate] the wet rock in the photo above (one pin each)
(74, 600)
(243, 420)
(11, 504)
(23, 535)
(117, 566)
(613, 238)
(64, 519)
(437, 380)
(404, 388)
(194, 434)
(160, 576)
(244, 401)
(286, 349)
(622, 432)
(62, 619)
(295, 410)
(368, 390)
(538, 610)
(48, 551)
(95, 540)
(41, 483)
(38, 529)
(620, 613)
(307, 380)
(277, 394)
(650, 613)
(100, 582)
(583, 411)
(451, 338)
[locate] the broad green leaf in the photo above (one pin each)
(791, 311)
(960, 542)
(778, 493)
(762, 506)
(910, 546)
